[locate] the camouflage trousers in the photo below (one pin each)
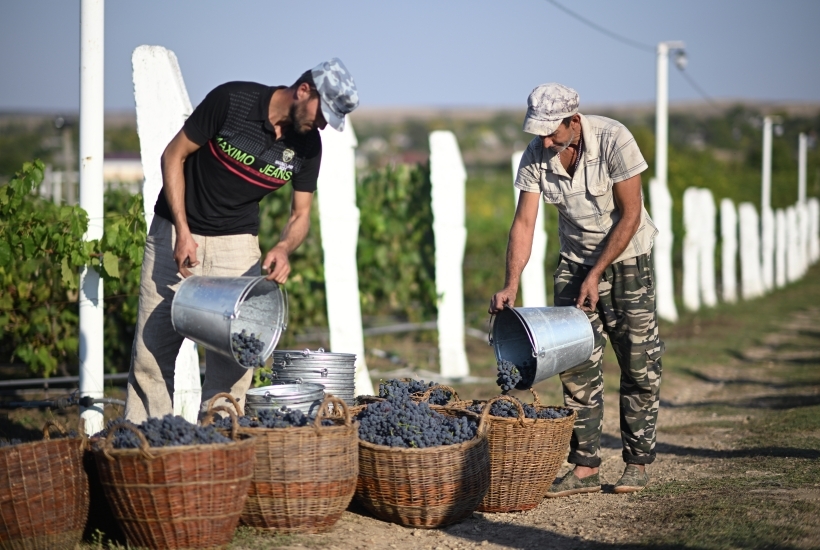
(625, 314)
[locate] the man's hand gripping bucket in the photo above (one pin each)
(541, 341)
(209, 310)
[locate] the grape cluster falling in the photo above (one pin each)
(247, 349)
(399, 421)
(508, 376)
(403, 388)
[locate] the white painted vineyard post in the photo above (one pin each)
(728, 250)
(339, 223)
(794, 260)
(767, 222)
(163, 104)
(750, 276)
(691, 248)
(533, 278)
(92, 33)
(780, 248)
(814, 229)
(661, 206)
(708, 240)
(447, 178)
(802, 209)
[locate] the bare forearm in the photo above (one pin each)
(519, 247)
(294, 233)
(173, 184)
(617, 241)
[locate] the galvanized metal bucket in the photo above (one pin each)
(542, 341)
(208, 310)
(304, 397)
(335, 371)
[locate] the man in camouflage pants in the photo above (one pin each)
(589, 167)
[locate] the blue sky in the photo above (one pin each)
(444, 53)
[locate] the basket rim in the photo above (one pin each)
(261, 430)
(79, 440)
(461, 406)
(412, 450)
(164, 451)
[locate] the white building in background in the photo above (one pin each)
(123, 172)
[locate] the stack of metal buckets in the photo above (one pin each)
(335, 371)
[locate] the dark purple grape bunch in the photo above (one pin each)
(247, 349)
(10, 442)
(506, 409)
(168, 431)
(406, 388)
(398, 421)
(273, 418)
(508, 376)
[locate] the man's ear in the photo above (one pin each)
(303, 91)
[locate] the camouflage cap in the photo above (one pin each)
(337, 91)
(547, 106)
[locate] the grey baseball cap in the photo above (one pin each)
(547, 106)
(336, 90)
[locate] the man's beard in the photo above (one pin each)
(567, 144)
(299, 119)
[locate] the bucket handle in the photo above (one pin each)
(285, 305)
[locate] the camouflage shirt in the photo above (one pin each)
(585, 202)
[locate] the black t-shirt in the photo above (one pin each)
(239, 160)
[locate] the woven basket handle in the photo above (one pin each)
(426, 395)
(535, 399)
(52, 424)
(207, 420)
(230, 398)
(325, 411)
(108, 444)
(512, 400)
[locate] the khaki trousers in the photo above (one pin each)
(156, 343)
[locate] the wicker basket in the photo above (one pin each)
(525, 455)
(176, 497)
(425, 488)
(43, 493)
(304, 478)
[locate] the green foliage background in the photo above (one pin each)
(42, 250)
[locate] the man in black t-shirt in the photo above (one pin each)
(242, 142)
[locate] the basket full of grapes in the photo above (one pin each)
(174, 484)
(419, 467)
(43, 492)
(527, 444)
(417, 390)
(306, 466)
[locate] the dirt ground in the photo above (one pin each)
(708, 412)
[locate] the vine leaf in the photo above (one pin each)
(111, 264)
